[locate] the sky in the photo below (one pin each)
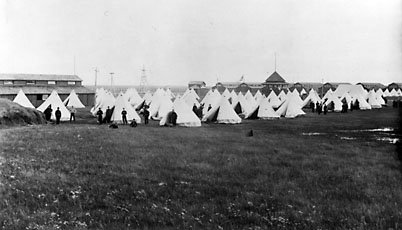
(181, 40)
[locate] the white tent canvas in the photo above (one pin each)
(291, 108)
(222, 112)
(373, 100)
(23, 100)
(133, 97)
(311, 97)
(336, 102)
(274, 100)
(103, 100)
(73, 100)
(185, 116)
(160, 106)
(55, 102)
(120, 103)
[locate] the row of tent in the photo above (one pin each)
(54, 101)
(222, 108)
(226, 107)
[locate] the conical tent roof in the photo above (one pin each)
(190, 98)
(337, 102)
(399, 92)
(169, 93)
(222, 112)
(212, 99)
(282, 95)
(103, 100)
(226, 94)
(234, 98)
(55, 101)
(379, 95)
(185, 115)
(73, 100)
(23, 100)
(120, 103)
(373, 100)
(160, 106)
(393, 93)
(303, 91)
(274, 100)
(266, 111)
(312, 97)
(386, 93)
(133, 97)
(291, 108)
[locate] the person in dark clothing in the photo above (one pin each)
(344, 107)
(124, 116)
(99, 114)
(325, 109)
(332, 106)
(108, 115)
(57, 113)
(145, 113)
(173, 117)
(209, 107)
(48, 112)
(357, 104)
(319, 109)
(312, 106)
(195, 109)
(351, 106)
(317, 106)
(133, 123)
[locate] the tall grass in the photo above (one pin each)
(88, 176)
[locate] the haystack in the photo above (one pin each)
(12, 113)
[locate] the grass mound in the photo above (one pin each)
(12, 113)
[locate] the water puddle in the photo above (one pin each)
(312, 134)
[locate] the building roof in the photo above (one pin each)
(196, 83)
(275, 78)
(371, 85)
(10, 90)
(39, 77)
(337, 83)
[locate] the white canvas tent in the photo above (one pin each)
(55, 102)
(133, 97)
(185, 116)
(373, 100)
(120, 103)
(103, 99)
(23, 100)
(263, 109)
(292, 107)
(311, 97)
(222, 112)
(336, 101)
(73, 100)
(160, 106)
(274, 100)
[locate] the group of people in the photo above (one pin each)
(48, 114)
(109, 112)
(320, 107)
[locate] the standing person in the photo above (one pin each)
(325, 109)
(173, 117)
(72, 113)
(317, 107)
(48, 112)
(124, 116)
(108, 115)
(351, 106)
(145, 113)
(312, 107)
(99, 114)
(58, 115)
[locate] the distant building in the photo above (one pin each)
(307, 86)
(196, 85)
(38, 87)
(370, 86)
(395, 86)
(238, 86)
(275, 81)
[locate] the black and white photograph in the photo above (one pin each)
(184, 114)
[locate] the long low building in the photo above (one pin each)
(38, 87)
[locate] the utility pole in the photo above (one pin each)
(96, 76)
(322, 87)
(111, 81)
(143, 81)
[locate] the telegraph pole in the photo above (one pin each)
(111, 81)
(96, 76)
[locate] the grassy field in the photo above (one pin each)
(313, 172)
